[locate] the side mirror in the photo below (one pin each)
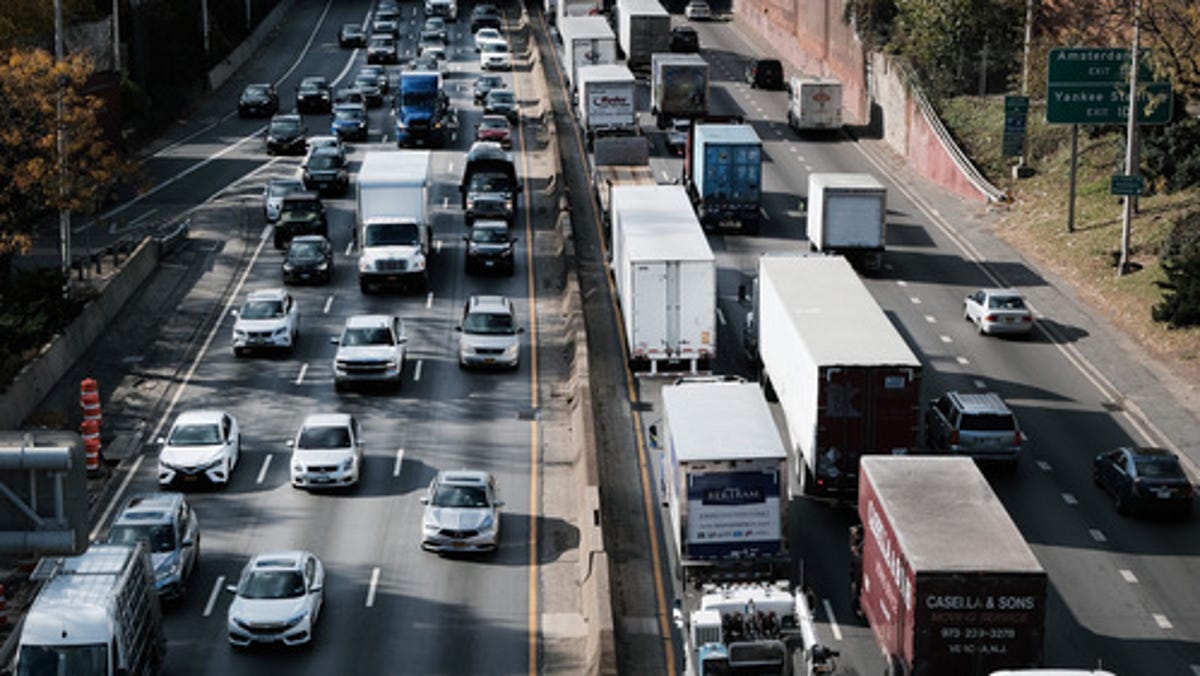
(466, 238)
(512, 240)
(520, 329)
(498, 504)
(424, 501)
(403, 340)
(335, 340)
(316, 587)
(188, 542)
(160, 440)
(458, 329)
(741, 293)
(231, 588)
(233, 313)
(653, 434)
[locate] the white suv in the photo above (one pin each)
(327, 451)
(490, 335)
(370, 350)
(269, 319)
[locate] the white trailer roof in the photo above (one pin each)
(657, 223)
(844, 180)
(836, 317)
(585, 28)
(395, 167)
(721, 421)
(606, 72)
(641, 7)
(945, 515)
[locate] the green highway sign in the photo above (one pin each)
(1016, 109)
(1079, 65)
(1108, 103)
(1123, 184)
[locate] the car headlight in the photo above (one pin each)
(347, 464)
(168, 566)
(296, 619)
(511, 350)
(298, 468)
(430, 527)
(418, 263)
(323, 267)
(239, 334)
(281, 331)
(487, 523)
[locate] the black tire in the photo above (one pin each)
(1121, 502)
(364, 286)
(237, 352)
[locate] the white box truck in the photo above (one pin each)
(567, 8)
(665, 275)
(393, 228)
(847, 383)
(847, 215)
(643, 28)
(606, 101)
(587, 41)
(96, 614)
(814, 104)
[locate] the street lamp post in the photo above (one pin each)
(1131, 129)
(64, 215)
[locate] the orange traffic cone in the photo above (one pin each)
(90, 431)
(89, 399)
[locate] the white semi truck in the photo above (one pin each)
(393, 228)
(666, 280)
(97, 614)
(606, 101)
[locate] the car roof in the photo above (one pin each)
(490, 223)
(360, 321)
(255, 85)
(316, 239)
(287, 117)
(980, 402)
(326, 420)
(1150, 453)
(463, 477)
(285, 181)
(302, 196)
(324, 140)
(149, 508)
(490, 304)
(200, 416)
(491, 117)
(1001, 292)
(283, 560)
(266, 294)
(327, 150)
(315, 79)
(486, 150)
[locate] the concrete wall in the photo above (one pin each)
(224, 70)
(35, 381)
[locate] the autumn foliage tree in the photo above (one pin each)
(31, 186)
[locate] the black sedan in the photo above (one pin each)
(352, 35)
(258, 100)
(309, 258)
(501, 102)
(1149, 479)
(285, 135)
(313, 95)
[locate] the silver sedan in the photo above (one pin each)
(998, 311)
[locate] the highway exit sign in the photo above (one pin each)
(1090, 85)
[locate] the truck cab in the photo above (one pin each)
(393, 228)
(423, 112)
(489, 184)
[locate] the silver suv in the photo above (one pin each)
(168, 526)
(977, 425)
(490, 335)
(370, 350)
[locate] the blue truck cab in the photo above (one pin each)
(423, 113)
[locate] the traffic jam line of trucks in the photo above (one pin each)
(847, 385)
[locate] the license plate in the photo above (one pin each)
(321, 478)
(489, 264)
(393, 278)
(191, 477)
(458, 545)
(304, 275)
(1163, 492)
(489, 360)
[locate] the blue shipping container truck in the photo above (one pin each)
(724, 175)
(422, 110)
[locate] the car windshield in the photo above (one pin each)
(281, 189)
(285, 127)
(494, 48)
(159, 537)
(1158, 468)
(309, 90)
(351, 29)
(257, 91)
(987, 422)
(323, 437)
(301, 208)
(302, 249)
(348, 115)
(488, 82)
(488, 183)
(1006, 303)
(488, 34)
(272, 584)
(493, 124)
(367, 335)
(324, 162)
(449, 495)
(489, 235)
(53, 660)
(366, 80)
(393, 234)
(489, 323)
(262, 309)
(203, 434)
(500, 96)
(383, 42)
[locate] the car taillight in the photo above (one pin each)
(1017, 437)
(954, 437)
(1187, 490)
(990, 318)
(1027, 318)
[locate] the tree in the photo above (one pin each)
(1172, 29)
(30, 185)
(944, 39)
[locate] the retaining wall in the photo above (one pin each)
(224, 70)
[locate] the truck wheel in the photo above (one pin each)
(364, 286)
(662, 121)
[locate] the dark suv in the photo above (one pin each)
(308, 258)
(313, 95)
(764, 73)
(258, 100)
(302, 213)
(684, 40)
(974, 424)
(325, 172)
(285, 135)
(485, 16)
(490, 247)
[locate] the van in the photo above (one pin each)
(976, 425)
(764, 74)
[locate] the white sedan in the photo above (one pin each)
(697, 10)
(327, 451)
(202, 445)
(998, 311)
(486, 35)
(462, 513)
(494, 56)
(277, 599)
(269, 319)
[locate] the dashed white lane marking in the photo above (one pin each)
(721, 316)
(901, 282)
(1196, 670)
(792, 149)
(445, 202)
(303, 370)
(437, 246)
(428, 300)
(962, 360)
(666, 176)
(980, 385)
(349, 247)
(1070, 499)
(1162, 621)
(1128, 576)
(372, 586)
(914, 300)
(931, 319)
(946, 339)
(450, 168)
(417, 370)
(262, 473)
(328, 304)
(833, 625)
(212, 596)
(1043, 465)
(1097, 535)
(399, 462)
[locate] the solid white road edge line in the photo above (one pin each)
(137, 462)
(372, 586)
(262, 473)
(212, 596)
(833, 625)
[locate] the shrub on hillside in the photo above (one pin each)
(1172, 155)
(1180, 305)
